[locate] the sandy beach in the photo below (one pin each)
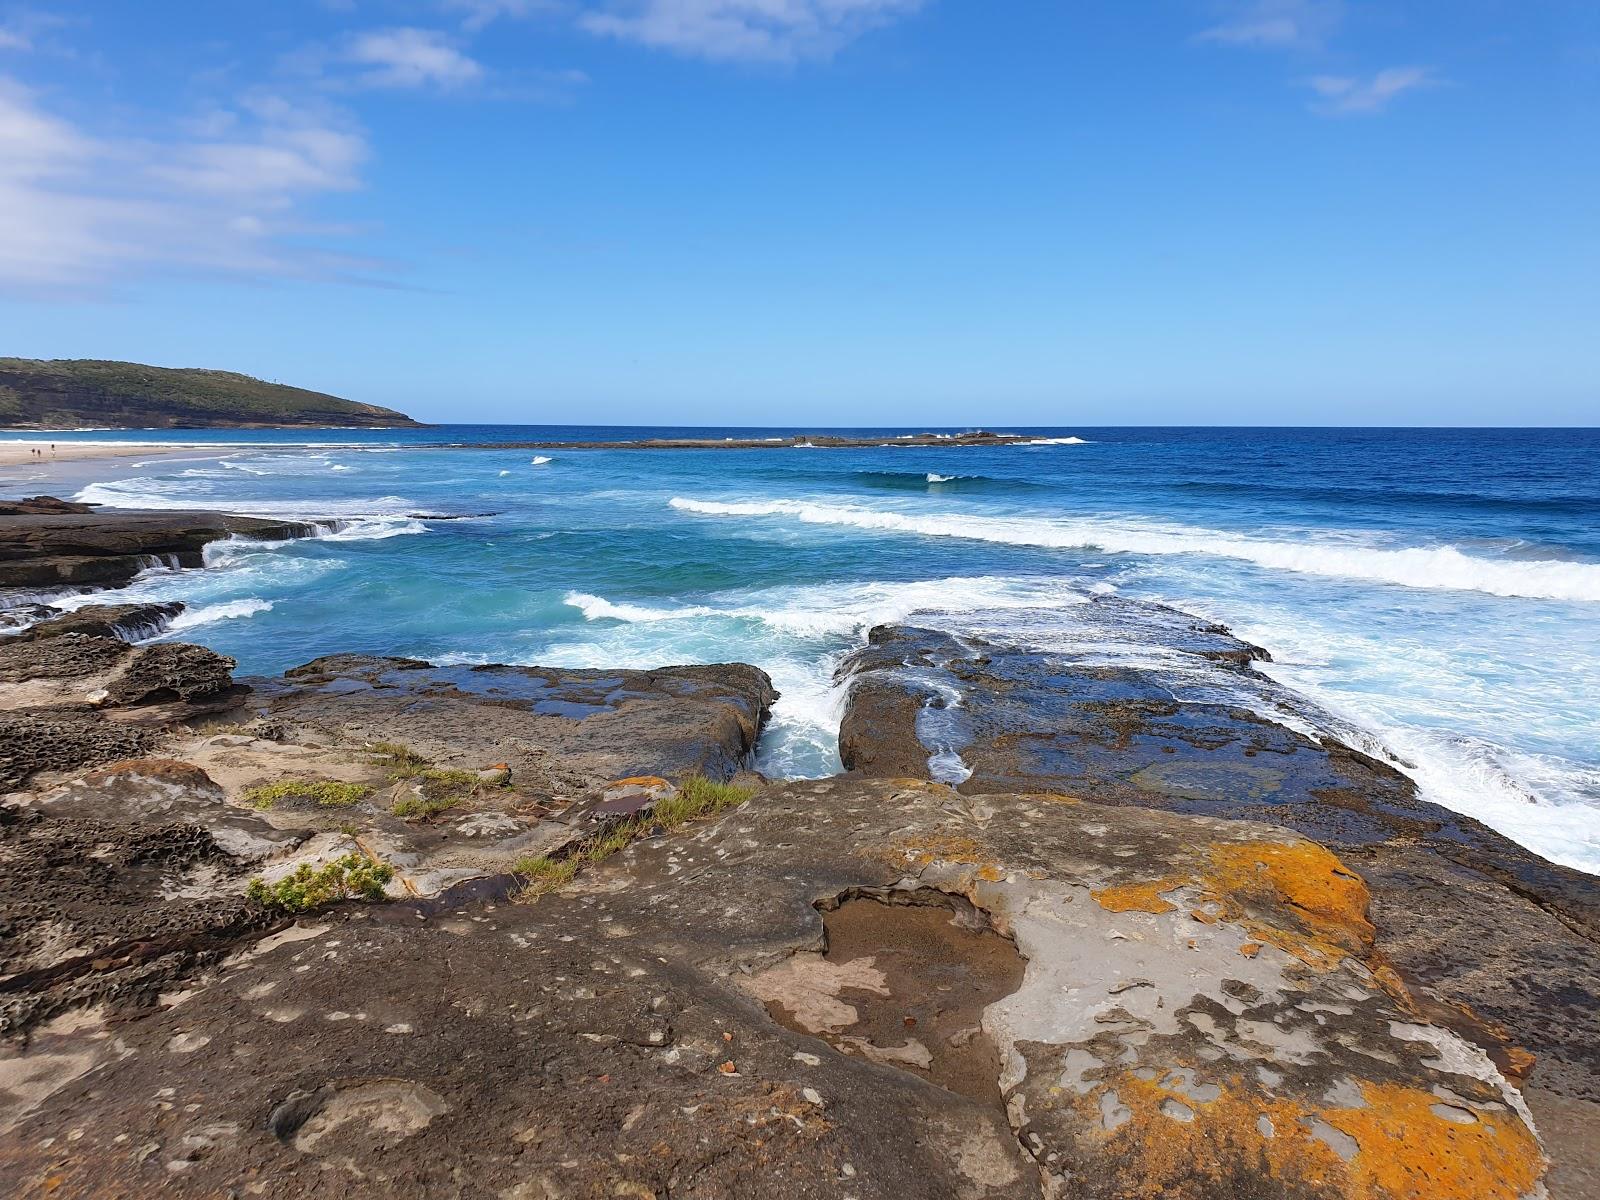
(21, 453)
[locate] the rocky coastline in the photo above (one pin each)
(816, 441)
(1082, 932)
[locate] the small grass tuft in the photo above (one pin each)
(325, 793)
(402, 761)
(353, 877)
(696, 797)
(440, 790)
(544, 874)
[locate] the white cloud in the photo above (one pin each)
(1345, 95)
(10, 39)
(409, 57)
(781, 31)
(475, 14)
(1280, 24)
(79, 213)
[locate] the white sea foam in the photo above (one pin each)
(225, 611)
(1417, 566)
(1438, 711)
(598, 608)
(847, 610)
(1544, 805)
(539, 460)
(368, 529)
(934, 477)
(503, 473)
(343, 520)
(1066, 441)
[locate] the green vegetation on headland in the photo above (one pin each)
(71, 393)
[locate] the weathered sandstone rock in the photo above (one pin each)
(1489, 927)
(843, 988)
(558, 730)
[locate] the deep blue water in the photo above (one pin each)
(1438, 590)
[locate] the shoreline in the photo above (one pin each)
(478, 789)
(17, 453)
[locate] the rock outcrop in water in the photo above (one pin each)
(1151, 946)
(1488, 927)
(817, 441)
(46, 543)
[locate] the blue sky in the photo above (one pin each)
(829, 211)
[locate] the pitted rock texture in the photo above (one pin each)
(69, 656)
(81, 700)
(1200, 1015)
(171, 670)
(66, 738)
(1480, 920)
(685, 719)
(106, 910)
(562, 730)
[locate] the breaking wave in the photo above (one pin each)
(1443, 567)
(598, 608)
(335, 520)
(226, 611)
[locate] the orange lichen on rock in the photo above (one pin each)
(1410, 1149)
(1139, 897)
(1327, 901)
(1169, 1141)
(166, 770)
(940, 847)
(926, 849)
(1323, 905)
(1161, 1152)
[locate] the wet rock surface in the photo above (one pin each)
(1482, 922)
(562, 730)
(127, 622)
(46, 543)
(1181, 978)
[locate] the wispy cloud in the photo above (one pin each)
(409, 58)
(1346, 95)
(779, 31)
(83, 213)
(1277, 24)
(476, 14)
(14, 39)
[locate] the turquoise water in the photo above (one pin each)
(1436, 591)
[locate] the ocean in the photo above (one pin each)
(1435, 592)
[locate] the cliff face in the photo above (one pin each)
(69, 393)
